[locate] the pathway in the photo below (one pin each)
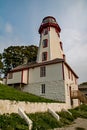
(80, 122)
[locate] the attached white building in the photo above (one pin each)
(50, 76)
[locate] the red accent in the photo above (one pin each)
(48, 28)
(33, 65)
(63, 71)
(27, 76)
(22, 76)
(64, 57)
(45, 25)
(56, 30)
(61, 46)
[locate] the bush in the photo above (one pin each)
(43, 121)
(12, 122)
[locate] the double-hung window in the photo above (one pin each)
(42, 71)
(45, 43)
(44, 56)
(43, 88)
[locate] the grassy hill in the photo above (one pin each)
(42, 121)
(10, 93)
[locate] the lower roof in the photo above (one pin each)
(35, 64)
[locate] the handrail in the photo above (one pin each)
(76, 94)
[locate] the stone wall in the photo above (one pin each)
(53, 90)
(7, 106)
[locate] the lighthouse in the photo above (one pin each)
(50, 76)
(50, 45)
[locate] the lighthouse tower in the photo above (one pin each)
(50, 46)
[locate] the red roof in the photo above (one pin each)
(35, 64)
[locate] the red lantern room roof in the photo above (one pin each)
(49, 21)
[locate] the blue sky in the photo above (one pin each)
(20, 21)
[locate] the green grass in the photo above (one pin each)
(80, 111)
(12, 122)
(10, 93)
(42, 121)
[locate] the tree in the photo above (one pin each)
(14, 56)
(1, 65)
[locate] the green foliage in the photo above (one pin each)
(66, 115)
(42, 121)
(12, 122)
(80, 111)
(10, 93)
(14, 56)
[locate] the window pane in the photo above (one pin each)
(42, 71)
(44, 56)
(43, 88)
(45, 42)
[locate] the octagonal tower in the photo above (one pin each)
(50, 46)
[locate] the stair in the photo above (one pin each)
(76, 94)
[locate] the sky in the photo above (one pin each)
(21, 19)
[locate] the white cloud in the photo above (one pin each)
(8, 28)
(75, 48)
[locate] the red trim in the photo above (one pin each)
(64, 57)
(45, 25)
(48, 28)
(61, 45)
(22, 76)
(27, 76)
(32, 65)
(63, 71)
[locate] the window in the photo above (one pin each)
(43, 88)
(69, 73)
(45, 43)
(44, 56)
(10, 75)
(42, 71)
(45, 31)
